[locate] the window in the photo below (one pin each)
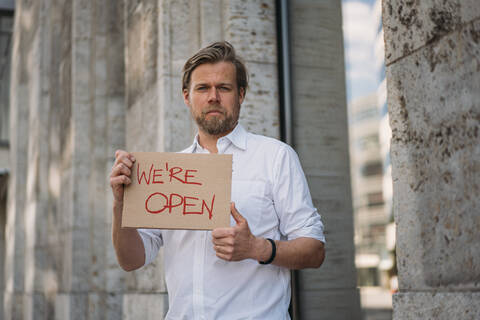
(367, 114)
(371, 169)
(366, 142)
(375, 199)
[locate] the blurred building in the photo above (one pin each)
(385, 133)
(370, 136)
(388, 263)
(367, 190)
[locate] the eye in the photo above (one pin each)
(202, 88)
(224, 89)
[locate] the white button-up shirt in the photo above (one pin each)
(270, 190)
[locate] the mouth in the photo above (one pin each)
(214, 112)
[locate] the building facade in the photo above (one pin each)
(367, 191)
(388, 262)
(370, 136)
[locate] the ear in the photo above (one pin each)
(241, 95)
(186, 97)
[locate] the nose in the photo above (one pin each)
(213, 95)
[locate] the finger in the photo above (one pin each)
(125, 160)
(235, 214)
(115, 181)
(120, 169)
(223, 232)
(226, 241)
(124, 157)
(122, 153)
(225, 257)
(227, 250)
(119, 152)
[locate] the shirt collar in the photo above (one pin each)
(238, 137)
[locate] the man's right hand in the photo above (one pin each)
(120, 175)
(126, 241)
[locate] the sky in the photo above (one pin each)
(359, 34)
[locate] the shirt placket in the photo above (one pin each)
(201, 252)
(222, 145)
(198, 267)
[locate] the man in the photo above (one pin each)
(240, 272)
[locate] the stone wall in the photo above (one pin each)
(433, 84)
(90, 77)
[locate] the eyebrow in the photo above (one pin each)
(219, 85)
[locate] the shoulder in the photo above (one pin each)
(187, 150)
(271, 146)
(257, 140)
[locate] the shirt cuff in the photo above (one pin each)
(151, 242)
(313, 228)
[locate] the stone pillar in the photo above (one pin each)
(114, 59)
(433, 85)
(92, 283)
(36, 257)
(321, 140)
(67, 118)
(15, 225)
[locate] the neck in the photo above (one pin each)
(208, 141)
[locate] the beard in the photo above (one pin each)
(217, 125)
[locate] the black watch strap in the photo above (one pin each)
(274, 252)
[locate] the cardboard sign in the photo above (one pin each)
(178, 191)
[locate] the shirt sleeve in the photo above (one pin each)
(292, 200)
(152, 241)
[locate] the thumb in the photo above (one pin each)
(235, 214)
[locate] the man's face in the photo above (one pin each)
(214, 98)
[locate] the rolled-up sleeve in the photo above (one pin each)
(292, 200)
(152, 241)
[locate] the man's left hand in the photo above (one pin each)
(235, 243)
